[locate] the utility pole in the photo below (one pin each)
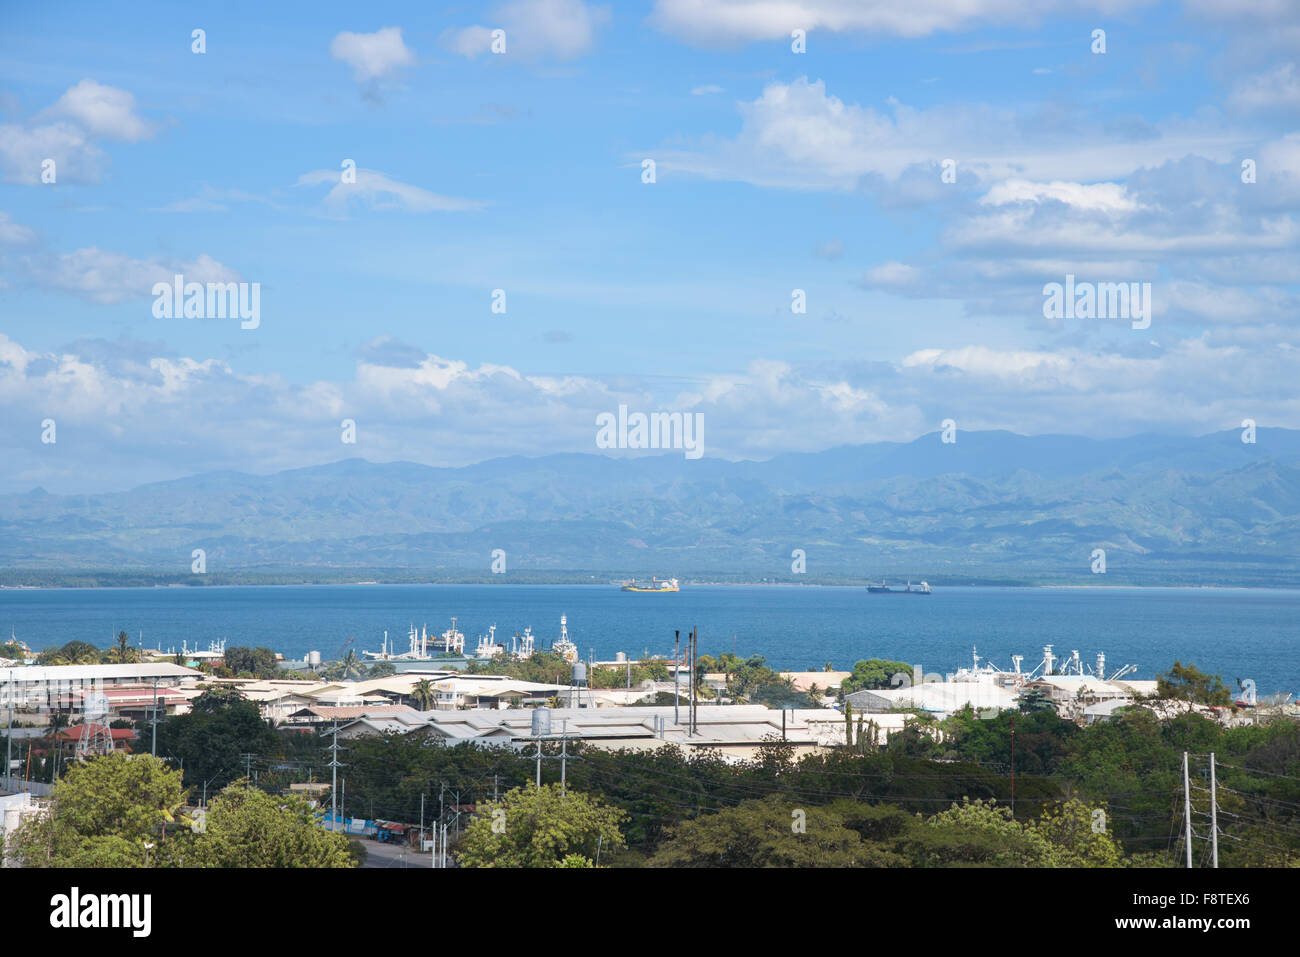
(248, 765)
(9, 734)
(494, 788)
(539, 763)
(564, 757)
(1187, 810)
(1013, 764)
(334, 781)
(1214, 815)
(677, 670)
(154, 746)
(421, 817)
(695, 696)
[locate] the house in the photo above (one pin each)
(61, 687)
(122, 738)
(314, 715)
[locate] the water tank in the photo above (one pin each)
(313, 658)
(541, 721)
(620, 657)
(579, 673)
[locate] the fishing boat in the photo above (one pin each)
(421, 646)
(521, 646)
(488, 647)
(656, 585)
(563, 646)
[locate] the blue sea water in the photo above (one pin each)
(1238, 633)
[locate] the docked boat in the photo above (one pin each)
(656, 585)
(521, 646)
(563, 646)
(488, 647)
(883, 589)
(421, 646)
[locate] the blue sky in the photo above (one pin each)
(522, 171)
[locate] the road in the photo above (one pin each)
(393, 855)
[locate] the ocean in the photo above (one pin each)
(1238, 633)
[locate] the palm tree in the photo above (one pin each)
(352, 666)
(124, 653)
(423, 694)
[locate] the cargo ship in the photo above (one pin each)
(883, 589)
(656, 584)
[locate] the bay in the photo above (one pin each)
(1239, 633)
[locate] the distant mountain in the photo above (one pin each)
(992, 506)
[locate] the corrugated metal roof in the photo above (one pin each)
(138, 672)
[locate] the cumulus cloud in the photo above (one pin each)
(534, 29)
(66, 133)
(377, 191)
(102, 111)
(374, 57)
(1217, 252)
(798, 135)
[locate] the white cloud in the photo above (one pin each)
(704, 22)
(468, 41)
(108, 277)
(1279, 89)
(66, 133)
(102, 111)
(534, 29)
(798, 136)
(379, 192)
(1104, 197)
(174, 414)
(372, 56)
(707, 90)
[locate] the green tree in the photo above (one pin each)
(1080, 834)
(253, 662)
(777, 831)
(246, 827)
(977, 833)
(423, 694)
(103, 814)
(1188, 683)
(210, 741)
(540, 827)
(121, 653)
(72, 653)
(874, 673)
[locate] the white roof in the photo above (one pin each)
(946, 696)
(1089, 685)
(141, 672)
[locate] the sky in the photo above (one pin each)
(915, 172)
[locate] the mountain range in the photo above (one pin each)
(990, 507)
